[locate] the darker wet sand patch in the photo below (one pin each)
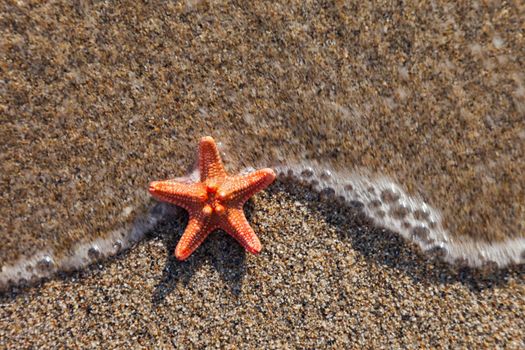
(99, 99)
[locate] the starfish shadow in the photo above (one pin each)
(219, 250)
(390, 249)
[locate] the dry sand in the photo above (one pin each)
(98, 99)
(323, 280)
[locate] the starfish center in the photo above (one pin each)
(214, 200)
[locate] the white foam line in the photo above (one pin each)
(43, 264)
(389, 206)
(427, 232)
(46, 264)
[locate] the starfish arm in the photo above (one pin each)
(238, 227)
(241, 188)
(181, 194)
(195, 233)
(210, 164)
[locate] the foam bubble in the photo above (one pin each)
(117, 246)
(348, 187)
(45, 264)
(307, 173)
(94, 252)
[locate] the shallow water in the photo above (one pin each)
(99, 100)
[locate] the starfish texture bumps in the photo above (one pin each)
(216, 202)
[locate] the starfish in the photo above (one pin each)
(216, 202)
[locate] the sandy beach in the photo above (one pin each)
(323, 280)
(98, 99)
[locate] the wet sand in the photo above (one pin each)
(97, 100)
(324, 279)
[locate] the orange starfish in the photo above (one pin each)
(216, 202)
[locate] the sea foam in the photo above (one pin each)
(379, 198)
(44, 264)
(390, 207)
